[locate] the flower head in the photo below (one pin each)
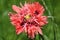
(28, 18)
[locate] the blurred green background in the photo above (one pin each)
(51, 31)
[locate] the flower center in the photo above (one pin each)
(27, 17)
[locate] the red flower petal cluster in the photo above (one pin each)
(28, 18)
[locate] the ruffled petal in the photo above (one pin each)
(19, 29)
(16, 9)
(39, 30)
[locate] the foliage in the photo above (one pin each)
(50, 31)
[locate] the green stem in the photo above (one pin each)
(41, 37)
(17, 37)
(31, 39)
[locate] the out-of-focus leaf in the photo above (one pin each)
(52, 29)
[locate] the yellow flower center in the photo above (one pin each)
(27, 16)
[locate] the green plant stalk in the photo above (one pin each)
(41, 37)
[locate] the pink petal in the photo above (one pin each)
(15, 8)
(19, 30)
(39, 30)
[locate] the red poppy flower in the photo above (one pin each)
(28, 18)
